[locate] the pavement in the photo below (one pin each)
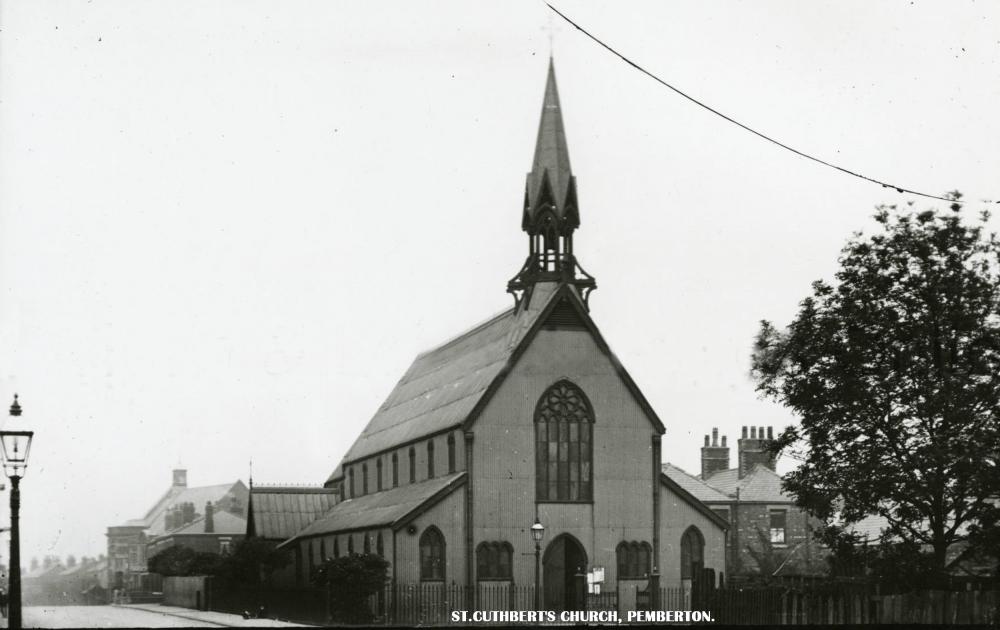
(137, 616)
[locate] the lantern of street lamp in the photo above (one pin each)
(537, 531)
(16, 443)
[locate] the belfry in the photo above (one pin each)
(551, 213)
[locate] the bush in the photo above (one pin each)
(184, 561)
(350, 581)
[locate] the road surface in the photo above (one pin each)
(145, 616)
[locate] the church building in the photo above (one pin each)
(526, 420)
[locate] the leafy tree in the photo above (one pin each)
(252, 561)
(350, 581)
(181, 561)
(894, 372)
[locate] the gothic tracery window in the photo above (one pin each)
(432, 555)
(564, 445)
(633, 560)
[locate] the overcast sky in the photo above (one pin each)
(226, 228)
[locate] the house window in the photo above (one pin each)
(563, 446)
(692, 553)
(778, 519)
(378, 474)
(395, 470)
(633, 560)
(413, 465)
(364, 478)
(354, 491)
(451, 453)
(432, 555)
(494, 561)
(430, 459)
(379, 548)
(225, 546)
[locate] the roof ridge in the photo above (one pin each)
(474, 328)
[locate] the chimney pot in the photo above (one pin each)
(209, 518)
(770, 433)
(753, 433)
(723, 441)
(744, 432)
(715, 436)
(706, 440)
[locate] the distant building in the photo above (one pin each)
(768, 532)
(276, 513)
(176, 508)
(216, 531)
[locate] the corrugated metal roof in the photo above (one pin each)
(382, 508)
(280, 512)
(443, 385)
(696, 487)
(761, 484)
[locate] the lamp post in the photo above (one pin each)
(16, 446)
(537, 533)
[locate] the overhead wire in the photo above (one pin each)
(899, 189)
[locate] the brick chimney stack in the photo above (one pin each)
(753, 449)
(714, 457)
(209, 518)
(180, 478)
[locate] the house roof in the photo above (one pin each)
(691, 500)
(387, 508)
(443, 385)
(698, 488)
(155, 519)
(760, 485)
(225, 524)
(279, 512)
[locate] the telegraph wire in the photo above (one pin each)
(847, 171)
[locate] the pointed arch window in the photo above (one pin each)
(364, 478)
(367, 545)
(633, 560)
(378, 474)
(413, 465)
(692, 553)
(354, 489)
(432, 550)
(379, 547)
(494, 561)
(451, 453)
(395, 470)
(350, 544)
(430, 459)
(336, 547)
(322, 551)
(564, 447)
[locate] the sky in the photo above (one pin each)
(226, 228)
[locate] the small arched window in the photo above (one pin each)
(451, 453)
(494, 561)
(692, 553)
(413, 465)
(378, 474)
(564, 449)
(350, 544)
(633, 560)
(379, 548)
(430, 459)
(395, 470)
(322, 551)
(367, 545)
(354, 489)
(432, 555)
(364, 478)
(336, 547)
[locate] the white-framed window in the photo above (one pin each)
(778, 523)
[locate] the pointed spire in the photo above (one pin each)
(551, 183)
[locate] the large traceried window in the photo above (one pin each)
(564, 445)
(432, 555)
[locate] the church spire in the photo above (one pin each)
(550, 209)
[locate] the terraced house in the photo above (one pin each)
(525, 418)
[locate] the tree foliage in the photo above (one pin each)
(350, 580)
(894, 373)
(183, 561)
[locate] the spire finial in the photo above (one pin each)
(15, 409)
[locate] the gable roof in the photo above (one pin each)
(443, 384)
(760, 485)
(278, 513)
(155, 519)
(696, 487)
(391, 508)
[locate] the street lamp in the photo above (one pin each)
(537, 533)
(16, 446)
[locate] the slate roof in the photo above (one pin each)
(761, 485)
(278, 513)
(386, 508)
(696, 487)
(155, 522)
(443, 385)
(226, 523)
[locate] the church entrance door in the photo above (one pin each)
(564, 574)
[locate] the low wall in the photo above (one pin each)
(186, 592)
